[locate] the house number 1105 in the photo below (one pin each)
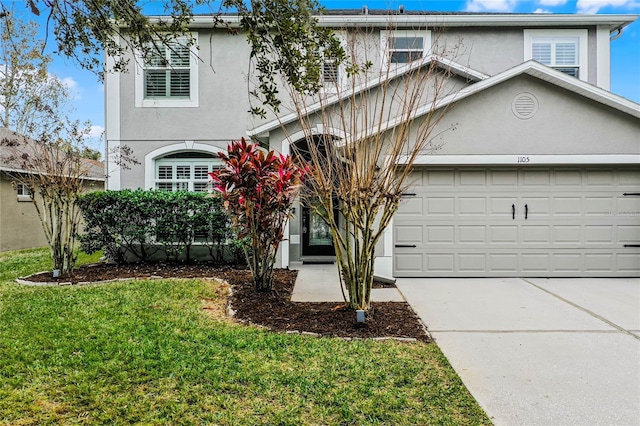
(523, 160)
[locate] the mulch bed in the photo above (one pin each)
(272, 309)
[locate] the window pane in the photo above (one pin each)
(165, 172)
(179, 55)
(541, 52)
(183, 172)
(405, 57)
(164, 186)
(329, 72)
(572, 71)
(155, 83)
(200, 172)
(200, 186)
(180, 83)
(566, 54)
(405, 43)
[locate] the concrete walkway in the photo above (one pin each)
(320, 283)
(531, 351)
(539, 351)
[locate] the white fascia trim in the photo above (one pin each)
(603, 56)
(524, 160)
(192, 102)
(398, 20)
(150, 158)
(534, 69)
(478, 20)
(444, 63)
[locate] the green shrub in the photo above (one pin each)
(150, 226)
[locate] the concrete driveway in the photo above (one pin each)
(539, 351)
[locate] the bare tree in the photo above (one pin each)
(387, 118)
(55, 175)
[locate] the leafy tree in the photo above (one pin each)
(31, 99)
(258, 190)
(284, 37)
(364, 173)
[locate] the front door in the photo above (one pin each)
(316, 235)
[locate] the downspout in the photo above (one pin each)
(618, 34)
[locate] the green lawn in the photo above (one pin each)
(147, 352)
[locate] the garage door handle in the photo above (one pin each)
(632, 245)
(513, 211)
(526, 211)
(405, 246)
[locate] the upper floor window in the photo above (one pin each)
(169, 78)
(563, 50)
(329, 73)
(185, 171)
(404, 46)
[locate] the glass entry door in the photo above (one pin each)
(316, 235)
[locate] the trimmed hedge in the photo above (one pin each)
(146, 226)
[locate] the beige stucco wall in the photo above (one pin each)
(20, 227)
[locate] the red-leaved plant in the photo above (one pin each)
(258, 190)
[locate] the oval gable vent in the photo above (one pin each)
(524, 106)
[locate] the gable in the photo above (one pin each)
(525, 115)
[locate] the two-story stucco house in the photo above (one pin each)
(541, 177)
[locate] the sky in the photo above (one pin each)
(625, 51)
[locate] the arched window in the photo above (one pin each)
(185, 171)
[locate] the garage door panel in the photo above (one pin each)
(629, 262)
(409, 234)
(535, 178)
(472, 206)
(567, 206)
(410, 206)
(440, 234)
(499, 234)
(443, 206)
(568, 178)
(567, 234)
(628, 206)
(599, 263)
(629, 234)
(501, 263)
(461, 223)
(595, 178)
(536, 234)
(472, 262)
(472, 234)
(441, 262)
(599, 206)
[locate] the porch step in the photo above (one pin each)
(318, 260)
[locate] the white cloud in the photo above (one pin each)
(95, 132)
(593, 6)
(490, 5)
(539, 10)
(552, 3)
(70, 83)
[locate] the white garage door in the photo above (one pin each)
(556, 222)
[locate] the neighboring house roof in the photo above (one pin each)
(445, 64)
(95, 169)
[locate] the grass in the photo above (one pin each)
(146, 352)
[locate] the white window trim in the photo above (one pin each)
(21, 187)
(581, 35)
(149, 158)
(192, 102)
(335, 87)
(385, 35)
